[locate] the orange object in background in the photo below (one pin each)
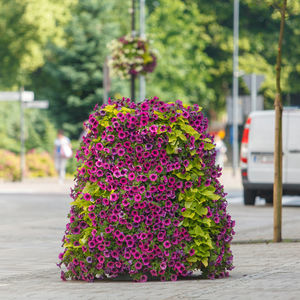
(221, 134)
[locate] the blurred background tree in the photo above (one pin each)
(26, 26)
(72, 76)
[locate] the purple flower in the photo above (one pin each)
(87, 197)
(131, 176)
(114, 197)
(121, 152)
(153, 128)
(138, 265)
(110, 138)
(153, 177)
(137, 198)
(167, 244)
(207, 182)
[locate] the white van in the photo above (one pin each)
(257, 154)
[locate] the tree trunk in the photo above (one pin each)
(277, 188)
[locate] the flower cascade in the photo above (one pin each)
(131, 56)
(147, 199)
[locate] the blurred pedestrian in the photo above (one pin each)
(221, 149)
(62, 151)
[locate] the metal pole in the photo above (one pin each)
(253, 92)
(235, 84)
(133, 33)
(22, 134)
(142, 35)
(105, 81)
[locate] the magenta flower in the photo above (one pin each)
(192, 252)
(114, 197)
(99, 146)
(138, 265)
(110, 138)
(137, 198)
(161, 188)
(167, 244)
(153, 128)
(153, 177)
(158, 169)
(121, 152)
(131, 176)
(87, 197)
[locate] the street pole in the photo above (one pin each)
(133, 33)
(235, 84)
(105, 81)
(253, 92)
(142, 35)
(22, 135)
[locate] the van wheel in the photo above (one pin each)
(249, 197)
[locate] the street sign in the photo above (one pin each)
(27, 96)
(42, 104)
(248, 79)
(244, 108)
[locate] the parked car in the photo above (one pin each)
(257, 155)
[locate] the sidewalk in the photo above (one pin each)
(52, 185)
(36, 186)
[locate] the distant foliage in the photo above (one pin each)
(40, 133)
(72, 77)
(39, 165)
(9, 166)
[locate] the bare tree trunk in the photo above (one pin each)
(277, 188)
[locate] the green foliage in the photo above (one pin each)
(196, 44)
(39, 131)
(72, 77)
(10, 126)
(49, 135)
(25, 28)
(60, 53)
(182, 61)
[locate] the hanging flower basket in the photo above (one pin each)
(147, 198)
(131, 56)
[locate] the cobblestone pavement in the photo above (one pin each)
(31, 227)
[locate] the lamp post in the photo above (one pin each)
(133, 33)
(235, 84)
(142, 35)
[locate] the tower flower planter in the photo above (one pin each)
(147, 200)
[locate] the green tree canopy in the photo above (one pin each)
(72, 76)
(25, 28)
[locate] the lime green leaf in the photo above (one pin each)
(209, 146)
(188, 214)
(205, 262)
(199, 231)
(201, 210)
(192, 258)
